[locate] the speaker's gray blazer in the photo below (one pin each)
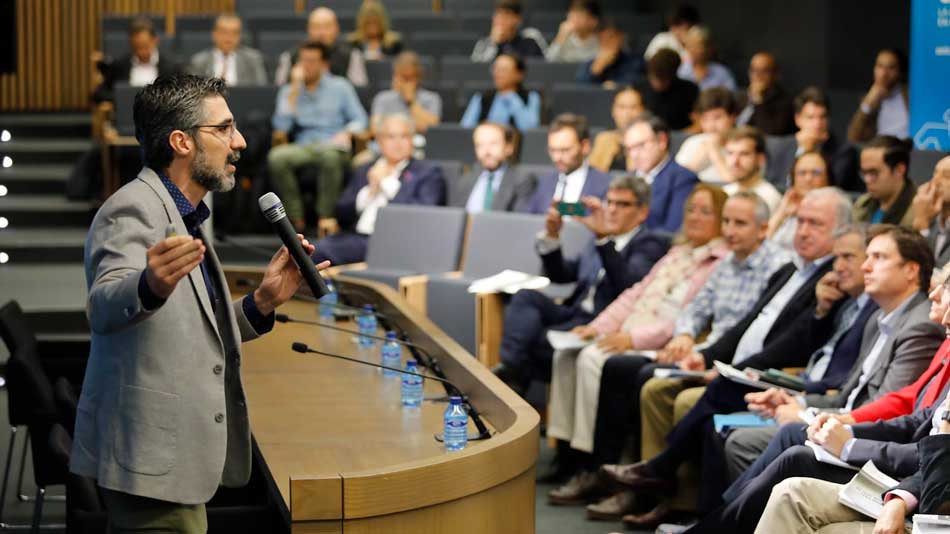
(249, 64)
(904, 357)
(162, 412)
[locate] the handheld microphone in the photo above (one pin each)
(483, 432)
(274, 212)
(427, 362)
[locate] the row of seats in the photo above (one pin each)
(448, 6)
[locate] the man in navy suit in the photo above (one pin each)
(394, 178)
(647, 143)
(621, 252)
(573, 178)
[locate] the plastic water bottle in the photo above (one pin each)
(455, 432)
(391, 353)
(411, 387)
(366, 321)
(328, 302)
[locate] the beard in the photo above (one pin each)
(213, 179)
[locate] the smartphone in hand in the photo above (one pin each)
(576, 209)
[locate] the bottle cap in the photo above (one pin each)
(411, 363)
(367, 307)
(391, 335)
(454, 399)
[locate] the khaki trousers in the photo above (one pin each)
(575, 390)
(810, 506)
(131, 514)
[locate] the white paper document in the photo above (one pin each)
(567, 340)
(826, 457)
(865, 491)
(931, 524)
(508, 281)
(748, 377)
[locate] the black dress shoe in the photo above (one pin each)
(513, 377)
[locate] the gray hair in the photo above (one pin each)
(635, 185)
(399, 117)
(842, 204)
(859, 229)
(170, 103)
(762, 211)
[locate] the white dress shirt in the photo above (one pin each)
(570, 186)
(893, 118)
(368, 206)
(226, 64)
(143, 73)
(476, 200)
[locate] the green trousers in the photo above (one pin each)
(131, 514)
(284, 160)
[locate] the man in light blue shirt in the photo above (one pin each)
(322, 111)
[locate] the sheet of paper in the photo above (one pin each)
(508, 281)
(566, 340)
(826, 457)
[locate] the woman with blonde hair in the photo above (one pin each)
(373, 35)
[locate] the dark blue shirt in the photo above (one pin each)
(194, 216)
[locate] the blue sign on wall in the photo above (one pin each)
(930, 74)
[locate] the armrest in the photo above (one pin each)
(489, 324)
(454, 275)
(335, 270)
(414, 290)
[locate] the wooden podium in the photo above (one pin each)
(345, 456)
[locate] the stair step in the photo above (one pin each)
(35, 179)
(40, 125)
(43, 245)
(45, 150)
(31, 211)
(48, 291)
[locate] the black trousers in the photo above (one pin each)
(788, 436)
(528, 317)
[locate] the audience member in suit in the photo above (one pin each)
(614, 66)
(810, 171)
(704, 153)
(647, 143)
(666, 94)
(679, 20)
(745, 160)
(766, 104)
(931, 210)
(407, 97)
(642, 318)
(507, 36)
(890, 195)
(576, 38)
(902, 337)
(228, 60)
(621, 253)
(608, 154)
(138, 68)
(773, 325)
(884, 109)
(496, 184)
(699, 67)
(322, 112)
(509, 102)
(745, 446)
(373, 35)
(811, 119)
(800, 503)
(394, 178)
(572, 178)
(344, 60)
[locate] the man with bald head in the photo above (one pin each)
(931, 208)
(228, 59)
(344, 60)
(766, 105)
(395, 178)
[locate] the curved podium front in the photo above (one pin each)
(345, 456)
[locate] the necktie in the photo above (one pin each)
(489, 191)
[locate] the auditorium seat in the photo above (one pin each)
(476, 21)
(676, 141)
(843, 103)
(589, 100)
(120, 23)
(252, 104)
(115, 44)
(442, 43)
(779, 162)
(434, 247)
(541, 71)
(534, 147)
(122, 116)
(272, 43)
(380, 73)
(194, 23)
(922, 163)
(276, 23)
(190, 43)
(452, 170)
(245, 8)
(462, 69)
(449, 141)
(451, 111)
(408, 22)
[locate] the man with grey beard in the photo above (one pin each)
(162, 419)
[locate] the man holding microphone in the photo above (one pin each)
(162, 419)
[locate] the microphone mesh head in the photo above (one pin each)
(271, 207)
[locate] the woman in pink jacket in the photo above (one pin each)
(641, 318)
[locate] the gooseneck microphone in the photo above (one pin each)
(274, 212)
(483, 432)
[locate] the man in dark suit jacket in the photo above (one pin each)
(394, 178)
(647, 141)
(497, 185)
(141, 66)
(811, 118)
(931, 211)
(573, 178)
(622, 252)
(227, 59)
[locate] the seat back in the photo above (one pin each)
(252, 104)
(421, 239)
(66, 403)
(122, 116)
(922, 163)
(499, 241)
(592, 101)
(15, 331)
(534, 147)
(449, 141)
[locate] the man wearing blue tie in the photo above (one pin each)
(497, 185)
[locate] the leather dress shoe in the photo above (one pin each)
(612, 508)
(580, 489)
(649, 520)
(637, 477)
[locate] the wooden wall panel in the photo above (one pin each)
(55, 39)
